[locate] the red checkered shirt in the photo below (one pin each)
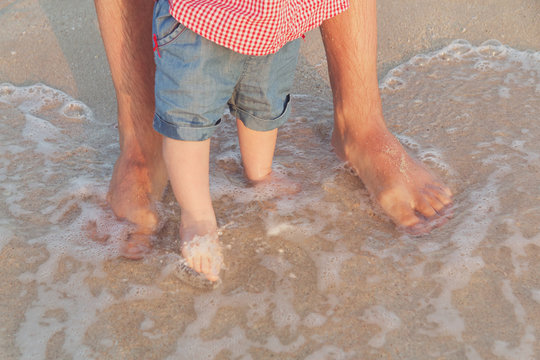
(254, 27)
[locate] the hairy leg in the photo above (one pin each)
(407, 192)
(139, 175)
(187, 166)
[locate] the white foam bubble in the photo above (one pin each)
(76, 110)
(392, 83)
(6, 89)
(492, 48)
(458, 48)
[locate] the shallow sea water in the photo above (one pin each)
(321, 274)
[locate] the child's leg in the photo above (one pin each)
(194, 80)
(187, 166)
(261, 103)
(257, 149)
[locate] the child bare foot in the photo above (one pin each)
(201, 249)
(407, 192)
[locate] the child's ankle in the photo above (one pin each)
(190, 226)
(258, 176)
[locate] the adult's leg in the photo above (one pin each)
(408, 193)
(139, 175)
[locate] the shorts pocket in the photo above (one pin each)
(165, 26)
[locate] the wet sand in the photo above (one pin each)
(317, 275)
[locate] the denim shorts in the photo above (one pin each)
(196, 79)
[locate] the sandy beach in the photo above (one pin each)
(322, 274)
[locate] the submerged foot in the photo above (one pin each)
(136, 246)
(404, 188)
(133, 190)
(131, 196)
(201, 249)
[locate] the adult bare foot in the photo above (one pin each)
(134, 188)
(201, 248)
(405, 189)
(407, 192)
(136, 246)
